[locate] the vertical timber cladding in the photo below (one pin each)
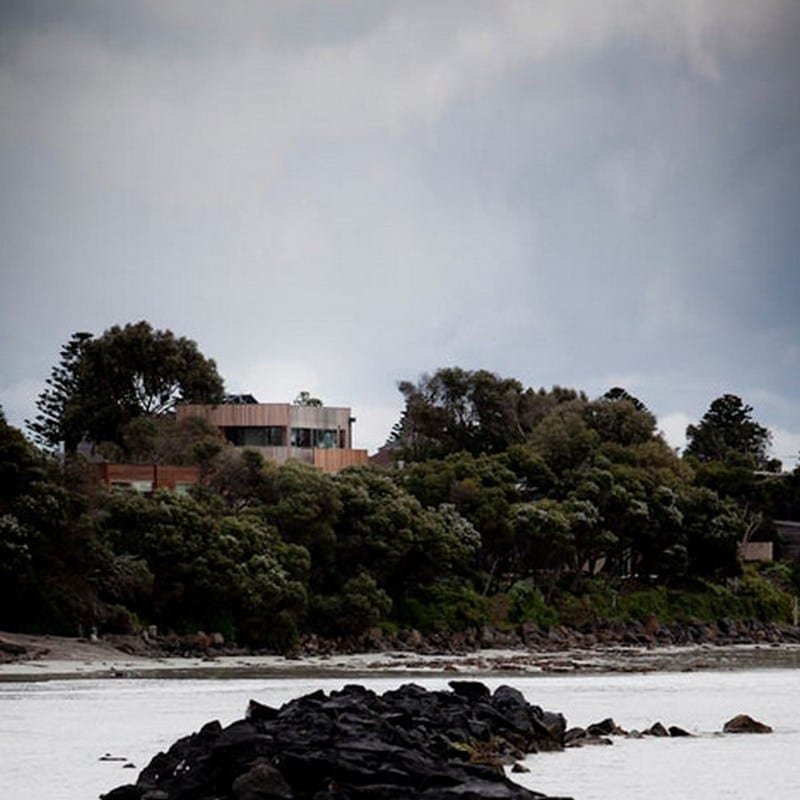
(260, 415)
(282, 415)
(323, 418)
(335, 460)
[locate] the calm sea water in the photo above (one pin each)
(53, 734)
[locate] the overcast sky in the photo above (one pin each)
(334, 196)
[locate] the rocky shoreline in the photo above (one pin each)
(604, 648)
(649, 633)
(354, 744)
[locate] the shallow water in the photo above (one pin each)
(53, 733)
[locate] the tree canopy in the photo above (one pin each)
(511, 505)
(56, 423)
(306, 399)
(728, 433)
(475, 411)
(101, 384)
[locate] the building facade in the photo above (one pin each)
(318, 435)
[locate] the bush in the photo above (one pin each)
(752, 597)
(766, 600)
(359, 606)
(443, 606)
(527, 604)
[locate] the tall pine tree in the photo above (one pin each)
(55, 424)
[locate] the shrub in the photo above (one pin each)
(527, 604)
(446, 605)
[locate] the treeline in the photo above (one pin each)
(504, 505)
(258, 552)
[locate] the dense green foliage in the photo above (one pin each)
(101, 384)
(728, 433)
(509, 505)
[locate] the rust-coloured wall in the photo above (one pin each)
(160, 476)
(332, 460)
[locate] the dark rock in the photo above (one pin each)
(258, 711)
(573, 736)
(353, 743)
(651, 625)
(472, 690)
(578, 737)
(128, 792)
(606, 727)
(539, 730)
(674, 730)
(555, 724)
(656, 729)
(519, 768)
(742, 723)
(12, 648)
(261, 782)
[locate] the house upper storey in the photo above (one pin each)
(318, 435)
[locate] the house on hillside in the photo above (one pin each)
(318, 435)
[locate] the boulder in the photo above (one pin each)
(261, 782)
(674, 730)
(742, 723)
(651, 625)
(472, 690)
(354, 743)
(127, 792)
(9, 648)
(258, 711)
(588, 741)
(656, 729)
(606, 727)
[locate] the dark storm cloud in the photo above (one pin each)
(334, 196)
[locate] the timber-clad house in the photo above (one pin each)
(321, 436)
(318, 435)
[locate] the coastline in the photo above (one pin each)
(62, 658)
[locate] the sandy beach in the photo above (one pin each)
(57, 657)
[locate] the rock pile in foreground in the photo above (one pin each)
(354, 744)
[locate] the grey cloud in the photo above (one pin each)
(353, 193)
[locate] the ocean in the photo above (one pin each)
(53, 734)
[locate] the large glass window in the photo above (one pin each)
(325, 439)
(268, 436)
(141, 487)
(301, 437)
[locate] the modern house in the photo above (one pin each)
(318, 435)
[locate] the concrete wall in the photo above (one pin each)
(756, 551)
